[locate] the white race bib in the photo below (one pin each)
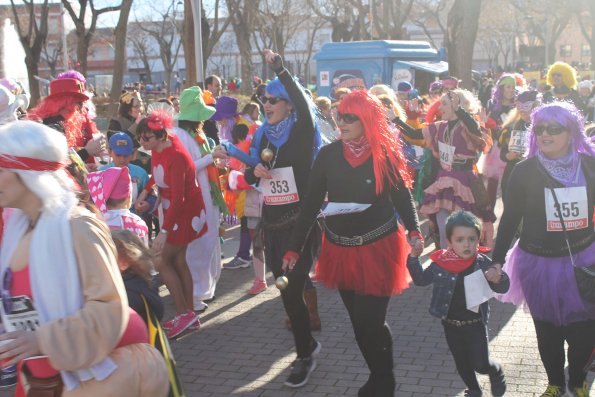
(518, 140)
(281, 188)
(573, 206)
(447, 154)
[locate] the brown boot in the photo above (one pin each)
(311, 299)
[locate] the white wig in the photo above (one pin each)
(467, 100)
(36, 141)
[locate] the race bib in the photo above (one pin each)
(447, 154)
(281, 188)
(22, 317)
(518, 140)
(573, 208)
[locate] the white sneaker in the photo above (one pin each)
(237, 263)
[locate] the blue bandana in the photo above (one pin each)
(278, 134)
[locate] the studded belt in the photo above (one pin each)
(371, 236)
(458, 323)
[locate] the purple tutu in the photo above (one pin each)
(547, 286)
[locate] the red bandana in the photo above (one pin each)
(451, 262)
(30, 164)
(357, 151)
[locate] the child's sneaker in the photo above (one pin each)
(580, 391)
(237, 263)
(184, 322)
(553, 391)
(258, 286)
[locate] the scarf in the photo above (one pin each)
(357, 151)
(212, 172)
(54, 277)
(278, 134)
(566, 170)
(451, 262)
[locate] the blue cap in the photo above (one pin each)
(413, 94)
(121, 144)
(404, 86)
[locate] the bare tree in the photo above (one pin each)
(120, 59)
(431, 14)
(313, 25)
(278, 21)
(243, 21)
(84, 34)
(462, 25)
(51, 55)
(342, 17)
(217, 28)
(32, 28)
(142, 49)
(167, 34)
(586, 17)
(389, 16)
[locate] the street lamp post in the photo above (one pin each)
(196, 14)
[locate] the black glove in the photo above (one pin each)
(277, 64)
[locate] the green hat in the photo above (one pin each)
(193, 107)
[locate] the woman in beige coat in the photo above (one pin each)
(58, 261)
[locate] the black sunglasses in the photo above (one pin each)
(348, 118)
(271, 99)
(551, 129)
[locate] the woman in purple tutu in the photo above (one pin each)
(560, 168)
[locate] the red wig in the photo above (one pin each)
(387, 153)
(73, 126)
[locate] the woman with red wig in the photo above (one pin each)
(363, 253)
(184, 217)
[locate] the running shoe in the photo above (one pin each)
(237, 263)
(184, 322)
(258, 286)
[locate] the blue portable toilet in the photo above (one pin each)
(361, 64)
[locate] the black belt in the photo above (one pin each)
(464, 165)
(460, 323)
(366, 238)
(557, 251)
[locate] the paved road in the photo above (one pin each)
(243, 348)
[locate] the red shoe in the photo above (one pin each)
(184, 322)
(169, 324)
(257, 286)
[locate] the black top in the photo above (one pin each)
(295, 153)
(332, 174)
(458, 304)
(525, 201)
(57, 123)
(564, 94)
(136, 288)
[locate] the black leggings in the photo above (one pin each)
(469, 347)
(374, 338)
(580, 337)
(276, 244)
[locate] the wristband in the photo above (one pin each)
(289, 255)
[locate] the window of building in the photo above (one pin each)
(585, 50)
(565, 50)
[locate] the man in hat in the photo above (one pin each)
(121, 149)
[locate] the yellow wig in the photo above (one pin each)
(568, 74)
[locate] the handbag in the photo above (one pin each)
(42, 387)
(159, 341)
(585, 276)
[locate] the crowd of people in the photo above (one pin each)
(92, 222)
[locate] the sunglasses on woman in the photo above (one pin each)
(551, 129)
(270, 99)
(347, 118)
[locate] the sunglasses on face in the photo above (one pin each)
(551, 129)
(270, 99)
(347, 118)
(146, 138)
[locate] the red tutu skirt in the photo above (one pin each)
(378, 268)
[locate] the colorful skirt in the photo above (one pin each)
(546, 287)
(378, 268)
(493, 166)
(452, 192)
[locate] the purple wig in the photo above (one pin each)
(498, 92)
(72, 74)
(566, 115)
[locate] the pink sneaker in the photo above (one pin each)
(257, 286)
(184, 321)
(195, 326)
(169, 324)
